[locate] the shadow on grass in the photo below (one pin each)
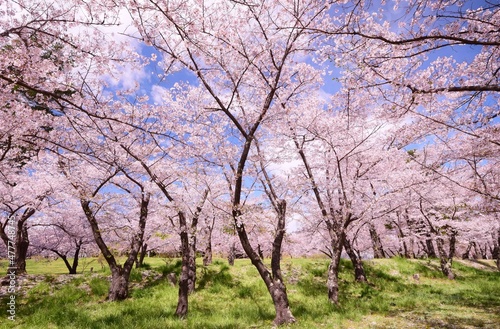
(211, 275)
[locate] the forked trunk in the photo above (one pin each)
(120, 275)
(359, 271)
(71, 268)
(76, 257)
(142, 254)
(273, 280)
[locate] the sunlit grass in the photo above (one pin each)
(235, 297)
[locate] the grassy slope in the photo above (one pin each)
(236, 298)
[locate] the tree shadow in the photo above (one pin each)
(213, 276)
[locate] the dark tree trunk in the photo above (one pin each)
(484, 251)
(259, 251)
(118, 289)
(278, 289)
(431, 252)
(140, 260)
(359, 271)
(207, 257)
(281, 305)
(22, 245)
(182, 301)
(497, 246)
(273, 280)
(65, 260)
(76, 257)
(71, 267)
(378, 250)
(17, 242)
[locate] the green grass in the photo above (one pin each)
(235, 297)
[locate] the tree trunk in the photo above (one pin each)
(359, 271)
(333, 276)
(71, 267)
(337, 237)
(192, 239)
(431, 252)
(445, 259)
(497, 245)
(484, 251)
(284, 315)
(207, 257)
(259, 251)
(182, 301)
(476, 252)
(278, 289)
(142, 254)
(76, 257)
(22, 244)
(118, 289)
(274, 280)
(65, 260)
(192, 264)
(378, 250)
(403, 251)
(17, 242)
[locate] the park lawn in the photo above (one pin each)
(235, 297)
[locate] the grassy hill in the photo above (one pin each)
(235, 297)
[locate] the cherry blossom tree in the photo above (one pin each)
(23, 195)
(114, 202)
(64, 237)
(242, 60)
(436, 64)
